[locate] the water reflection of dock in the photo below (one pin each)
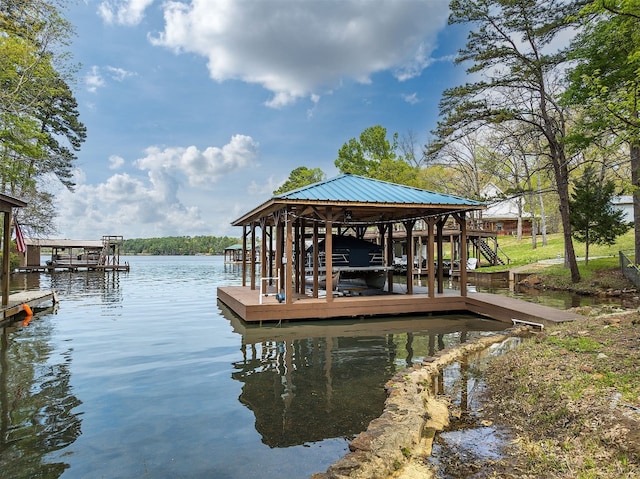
(310, 381)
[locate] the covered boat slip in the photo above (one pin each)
(297, 233)
(73, 255)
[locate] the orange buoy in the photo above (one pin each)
(27, 309)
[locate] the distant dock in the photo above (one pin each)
(73, 255)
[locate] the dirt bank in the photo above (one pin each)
(571, 399)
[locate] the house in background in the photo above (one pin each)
(502, 215)
(625, 204)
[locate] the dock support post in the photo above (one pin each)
(5, 257)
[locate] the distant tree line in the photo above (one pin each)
(178, 245)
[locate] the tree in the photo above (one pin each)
(362, 156)
(517, 80)
(593, 218)
(372, 155)
(605, 83)
(299, 177)
(467, 157)
(40, 130)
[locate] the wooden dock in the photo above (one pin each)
(247, 304)
(17, 301)
(73, 267)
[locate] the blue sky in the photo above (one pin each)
(197, 110)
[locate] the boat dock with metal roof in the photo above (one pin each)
(286, 288)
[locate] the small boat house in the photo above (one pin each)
(73, 255)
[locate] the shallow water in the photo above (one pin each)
(145, 374)
(468, 442)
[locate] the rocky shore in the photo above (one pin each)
(398, 443)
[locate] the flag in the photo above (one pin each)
(22, 247)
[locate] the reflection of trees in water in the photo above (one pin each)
(36, 404)
(308, 390)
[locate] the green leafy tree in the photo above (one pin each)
(593, 217)
(40, 130)
(605, 83)
(372, 155)
(516, 74)
(362, 156)
(299, 177)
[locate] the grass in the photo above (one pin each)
(571, 395)
(601, 273)
(521, 253)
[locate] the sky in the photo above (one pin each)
(197, 110)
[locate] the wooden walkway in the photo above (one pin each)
(33, 299)
(73, 267)
(245, 302)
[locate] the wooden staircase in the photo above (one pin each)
(489, 253)
(110, 253)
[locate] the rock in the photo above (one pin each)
(531, 281)
(601, 356)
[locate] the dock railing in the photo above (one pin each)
(264, 286)
(629, 269)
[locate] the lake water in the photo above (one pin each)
(145, 374)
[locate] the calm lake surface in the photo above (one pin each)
(144, 374)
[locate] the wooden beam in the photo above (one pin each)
(328, 253)
(462, 221)
(263, 249)
(288, 267)
(253, 256)
(408, 226)
(439, 239)
(316, 258)
(5, 257)
(244, 255)
(390, 257)
(431, 263)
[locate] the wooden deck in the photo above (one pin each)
(33, 299)
(245, 302)
(73, 267)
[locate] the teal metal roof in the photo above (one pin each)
(354, 188)
(367, 201)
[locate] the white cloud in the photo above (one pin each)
(119, 74)
(93, 79)
(412, 98)
(297, 48)
(115, 162)
(201, 168)
(153, 206)
(123, 12)
(265, 187)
